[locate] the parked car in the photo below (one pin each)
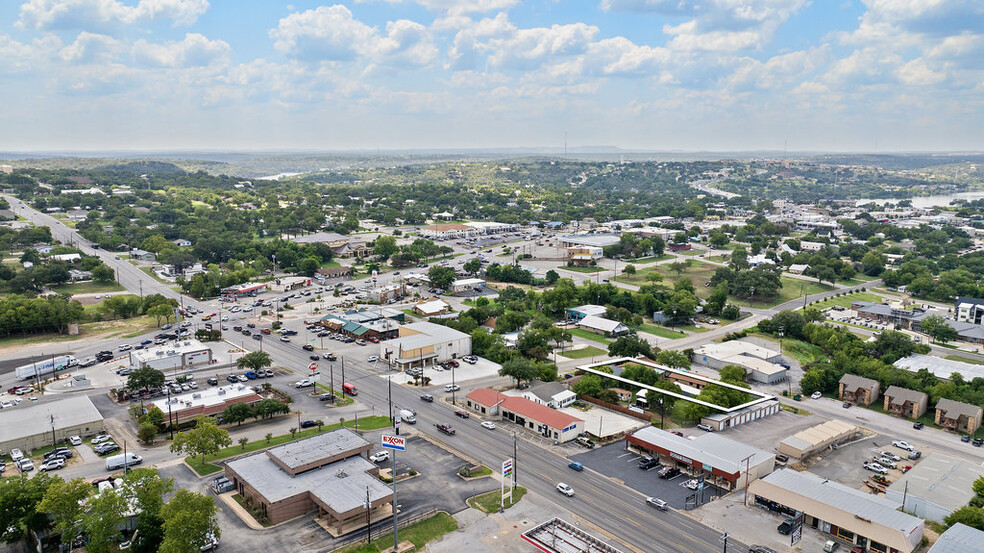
(705, 427)
(75, 440)
(16, 455)
(649, 463)
(890, 455)
(106, 448)
(53, 463)
(692, 484)
(379, 456)
(786, 527)
(565, 489)
(760, 549)
(308, 423)
(918, 425)
(875, 467)
(846, 405)
(913, 455)
(816, 395)
(101, 438)
(657, 503)
(306, 383)
(25, 465)
(451, 387)
(668, 472)
(903, 445)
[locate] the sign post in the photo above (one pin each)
(395, 443)
(504, 490)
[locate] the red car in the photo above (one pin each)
(266, 331)
(452, 363)
(373, 339)
(462, 413)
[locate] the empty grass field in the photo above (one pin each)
(583, 353)
(846, 301)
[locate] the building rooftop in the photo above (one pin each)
(854, 382)
(941, 368)
(166, 350)
(902, 395)
(588, 310)
(954, 409)
(207, 397)
(710, 448)
(304, 452)
(959, 538)
(29, 420)
(597, 240)
(600, 323)
(735, 347)
(942, 480)
(429, 334)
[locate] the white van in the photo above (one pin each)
(408, 416)
(117, 462)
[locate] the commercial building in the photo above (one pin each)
(31, 426)
(466, 284)
(969, 310)
(547, 422)
(906, 403)
(849, 514)
(760, 363)
(817, 438)
(446, 231)
(858, 389)
(602, 326)
(388, 292)
(552, 394)
(328, 474)
(578, 313)
(425, 344)
(582, 256)
(725, 463)
(940, 367)
(723, 421)
(958, 417)
(959, 538)
(589, 240)
(936, 487)
(172, 356)
(432, 308)
(245, 290)
(490, 227)
(205, 401)
(287, 284)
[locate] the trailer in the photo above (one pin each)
(46, 367)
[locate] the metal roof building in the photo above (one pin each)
(833, 508)
(941, 368)
(959, 538)
(936, 487)
(31, 426)
(815, 438)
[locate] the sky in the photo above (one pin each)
(657, 75)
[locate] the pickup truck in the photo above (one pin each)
(446, 428)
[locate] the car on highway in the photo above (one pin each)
(657, 503)
(918, 425)
(284, 339)
(126, 347)
(816, 395)
(372, 359)
(379, 456)
(308, 423)
(488, 424)
(462, 413)
(902, 445)
(451, 387)
(565, 489)
(445, 428)
(428, 398)
(307, 347)
(576, 466)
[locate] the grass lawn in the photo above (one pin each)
(801, 351)
(964, 359)
(698, 272)
(692, 328)
(649, 259)
(718, 258)
(792, 288)
(195, 462)
(589, 351)
(489, 502)
(88, 288)
(589, 336)
(330, 264)
(474, 303)
(846, 301)
(338, 394)
(583, 269)
(661, 331)
(485, 471)
(420, 534)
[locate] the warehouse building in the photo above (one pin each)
(328, 474)
(817, 438)
(466, 284)
(959, 538)
(759, 362)
(206, 401)
(172, 356)
(543, 420)
(602, 326)
(940, 367)
(722, 460)
(852, 515)
(425, 344)
(32, 426)
(936, 487)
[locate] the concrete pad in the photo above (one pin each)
(604, 423)
(752, 525)
(464, 373)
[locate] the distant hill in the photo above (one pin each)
(144, 167)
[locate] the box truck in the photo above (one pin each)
(46, 367)
(117, 462)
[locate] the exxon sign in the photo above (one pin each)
(395, 442)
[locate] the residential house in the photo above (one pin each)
(958, 417)
(552, 394)
(858, 389)
(432, 308)
(603, 326)
(142, 255)
(905, 403)
(182, 243)
(580, 312)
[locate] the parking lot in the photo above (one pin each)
(844, 464)
(615, 461)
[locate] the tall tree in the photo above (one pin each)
(19, 499)
(255, 360)
(206, 438)
(104, 514)
(63, 502)
(189, 522)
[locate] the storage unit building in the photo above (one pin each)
(31, 426)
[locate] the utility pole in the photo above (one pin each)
(170, 421)
(331, 381)
(515, 461)
(745, 501)
(368, 517)
(396, 524)
(389, 397)
(343, 388)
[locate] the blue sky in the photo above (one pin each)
(722, 75)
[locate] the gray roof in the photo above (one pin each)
(29, 420)
(710, 448)
(596, 240)
(940, 367)
(959, 538)
(875, 508)
(874, 308)
(941, 480)
(955, 408)
(341, 485)
(547, 390)
(902, 395)
(306, 451)
(853, 382)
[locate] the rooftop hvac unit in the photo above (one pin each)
(171, 352)
(187, 343)
(222, 392)
(196, 396)
(158, 352)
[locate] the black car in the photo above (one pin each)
(314, 357)
(62, 452)
(428, 398)
(918, 425)
(786, 527)
(647, 464)
(308, 424)
(977, 442)
(213, 381)
(251, 325)
(307, 347)
(965, 438)
(245, 332)
(104, 355)
(668, 472)
(238, 328)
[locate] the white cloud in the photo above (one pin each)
(17, 57)
(460, 6)
(918, 73)
(193, 51)
(405, 42)
(528, 48)
(92, 48)
(105, 15)
(620, 56)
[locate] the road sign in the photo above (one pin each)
(507, 467)
(394, 442)
(313, 367)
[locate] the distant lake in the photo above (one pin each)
(939, 200)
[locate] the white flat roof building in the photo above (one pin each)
(30, 426)
(176, 355)
(423, 344)
(936, 487)
(205, 401)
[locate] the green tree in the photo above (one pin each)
(189, 519)
(238, 413)
(971, 516)
(679, 267)
(206, 438)
(732, 373)
(739, 259)
(552, 277)
(520, 369)
(938, 329)
(630, 346)
(384, 247)
(254, 361)
(588, 385)
(103, 274)
(145, 378)
(308, 266)
(629, 269)
(441, 277)
(147, 433)
(161, 312)
(267, 408)
(472, 266)
(19, 500)
(673, 359)
(63, 502)
(104, 513)
(872, 264)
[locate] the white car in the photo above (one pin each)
(248, 309)
(451, 387)
(692, 484)
(565, 489)
(16, 455)
(126, 347)
(875, 467)
(5, 404)
(225, 317)
(372, 359)
(304, 383)
(52, 464)
(488, 424)
(816, 395)
(903, 445)
(285, 339)
(379, 456)
(75, 440)
(101, 438)
(25, 465)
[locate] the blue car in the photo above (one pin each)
(145, 342)
(576, 466)
(251, 375)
